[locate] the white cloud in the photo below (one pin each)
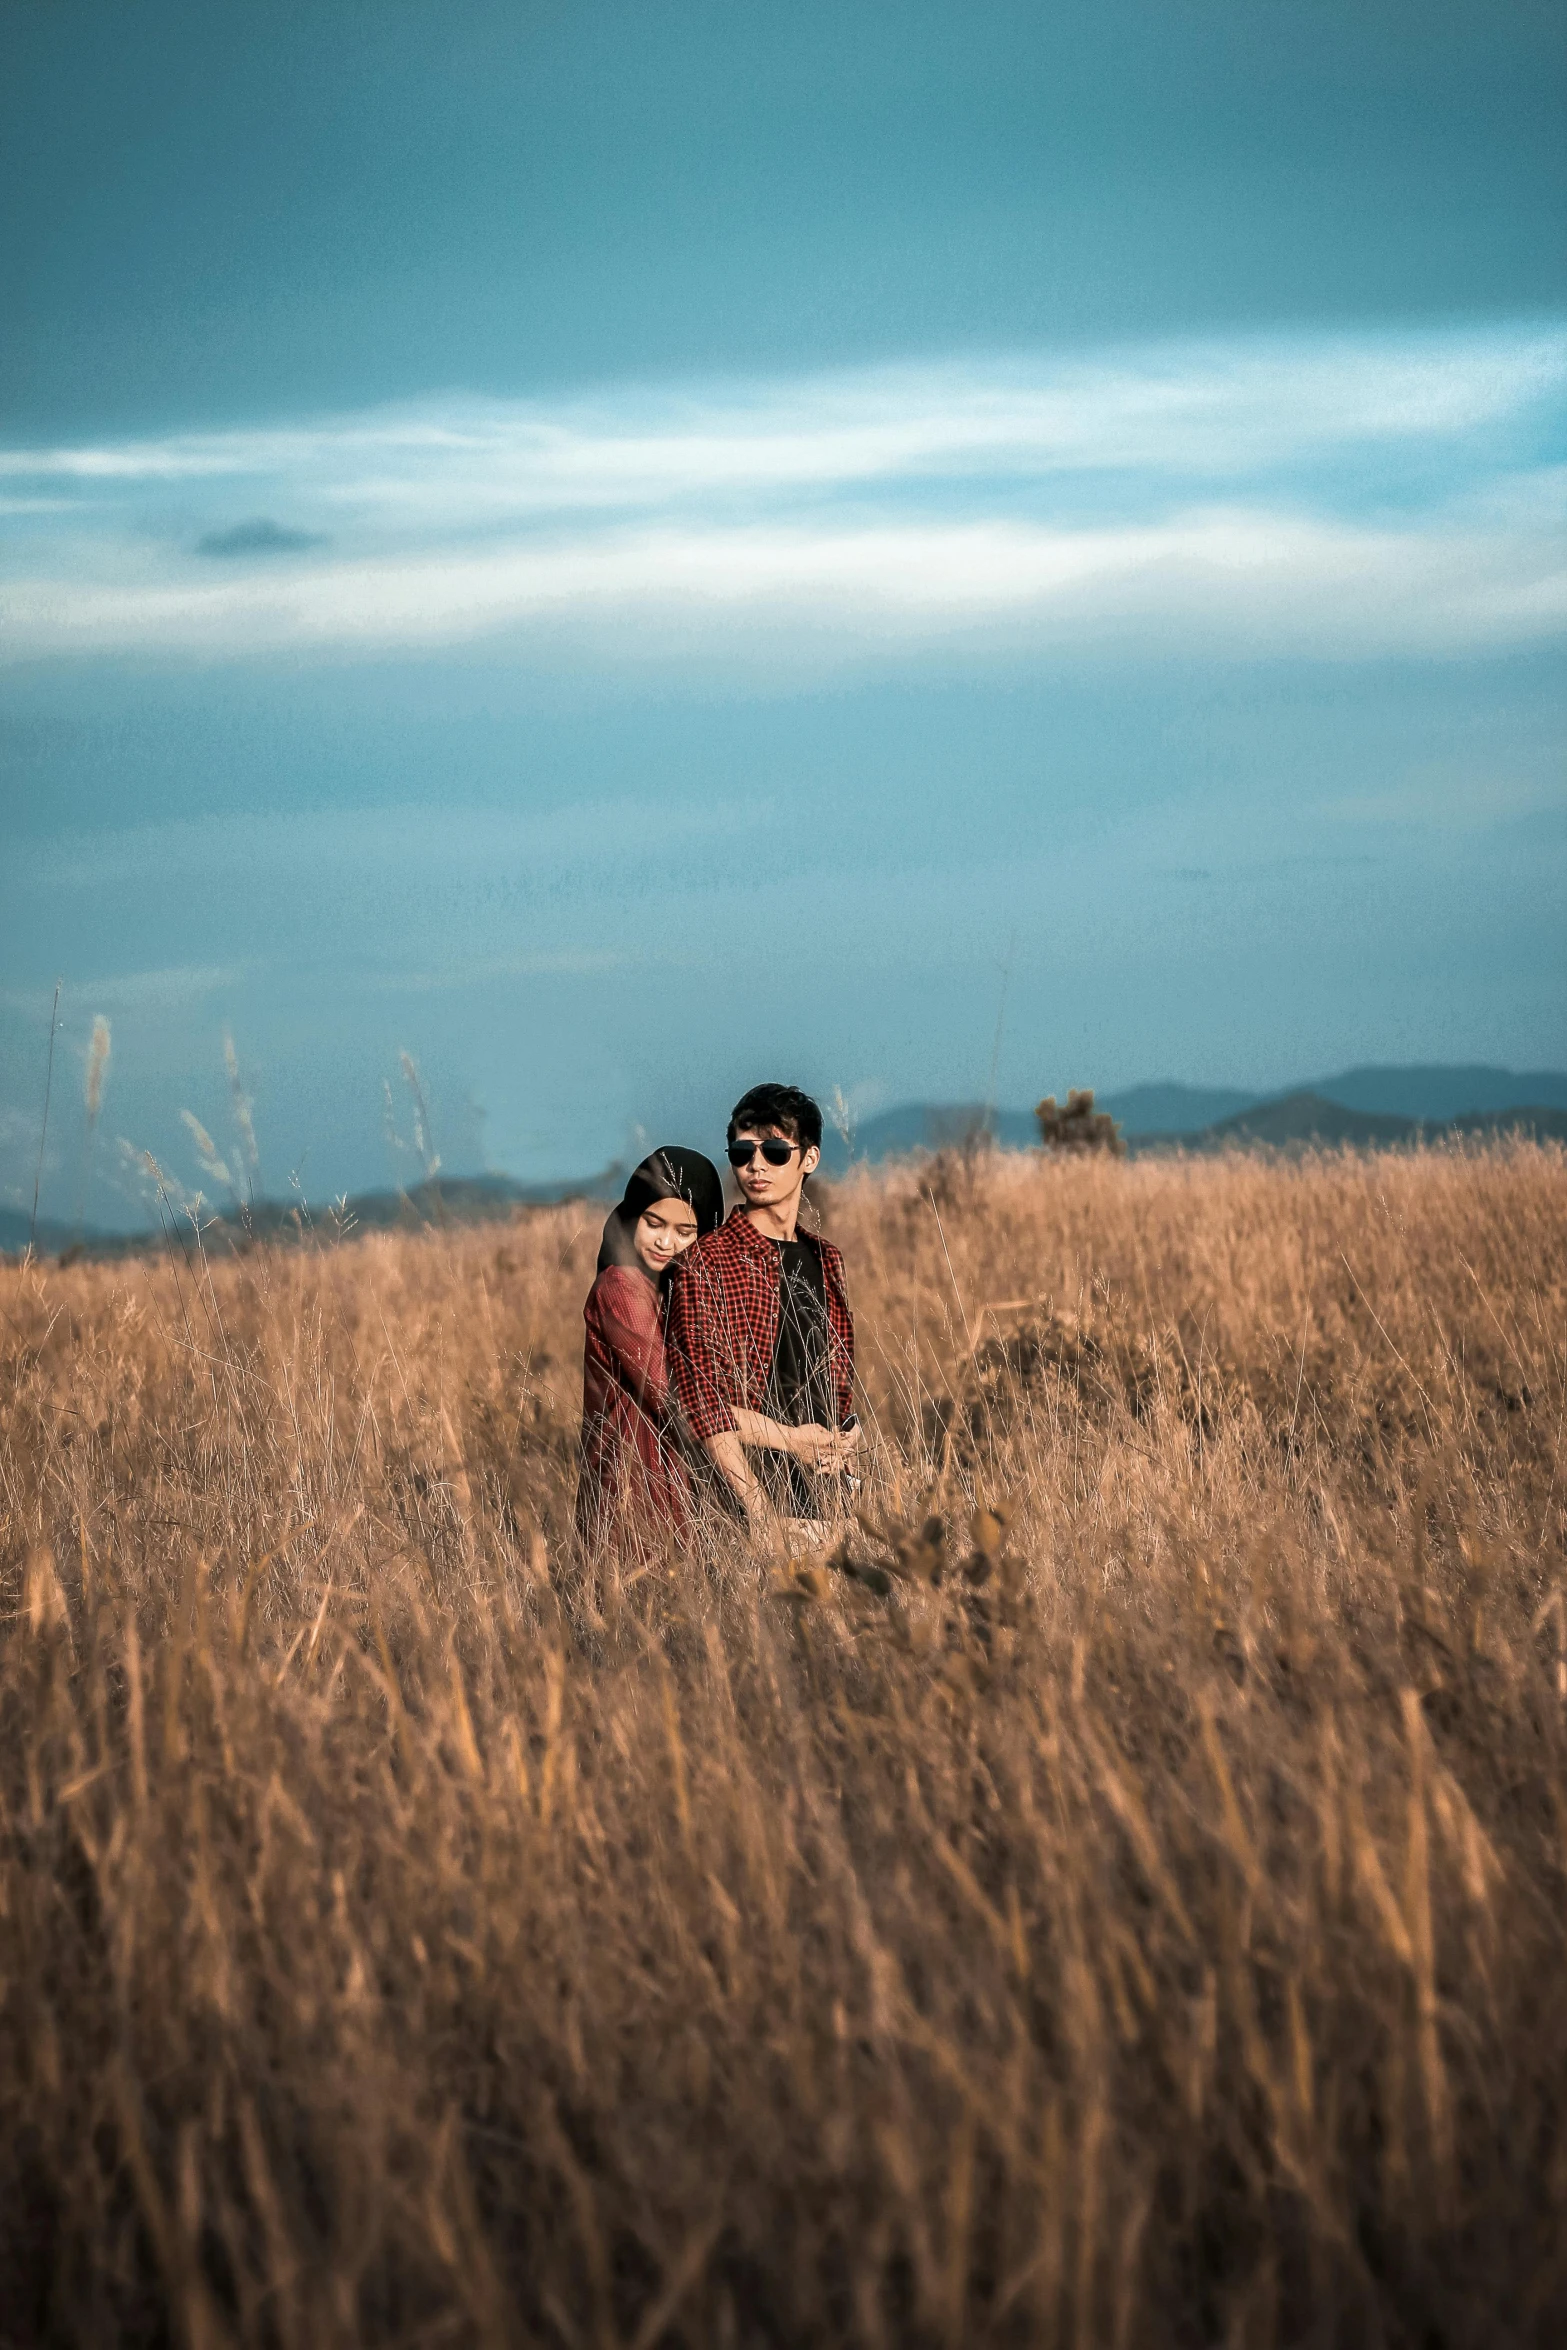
(1250, 579)
(1207, 408)
(1335, 496)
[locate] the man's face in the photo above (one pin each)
(767, 1186)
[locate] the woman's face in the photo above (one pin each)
(663, 1230)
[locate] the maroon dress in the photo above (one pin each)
(632, 1491)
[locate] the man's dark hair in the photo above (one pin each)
(784, 1106)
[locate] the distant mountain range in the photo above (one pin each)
(1370, 1108)
(1311, 1117)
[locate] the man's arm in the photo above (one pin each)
(726, 1451)
(812, 1446)
(697, 1331)
(700, 1348)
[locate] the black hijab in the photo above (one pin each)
(670, 1173)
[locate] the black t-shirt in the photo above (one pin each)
(799, 1385)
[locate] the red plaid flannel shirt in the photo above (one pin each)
(723, 1325)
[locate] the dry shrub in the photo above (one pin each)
(1116, 1897)
(1078, 1127)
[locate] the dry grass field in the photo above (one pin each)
(1120, 1899)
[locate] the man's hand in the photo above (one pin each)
(826, 1450)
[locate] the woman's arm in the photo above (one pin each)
(625, 1308)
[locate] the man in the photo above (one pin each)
(761, 1340)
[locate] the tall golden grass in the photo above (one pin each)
(1120, 1899)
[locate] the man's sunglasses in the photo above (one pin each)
(776, 1153)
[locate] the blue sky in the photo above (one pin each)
(618, 550)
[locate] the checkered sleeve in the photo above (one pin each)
(698, 1345)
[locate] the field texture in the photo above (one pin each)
(1120, 1898)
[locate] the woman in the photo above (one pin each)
(633, 1490)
